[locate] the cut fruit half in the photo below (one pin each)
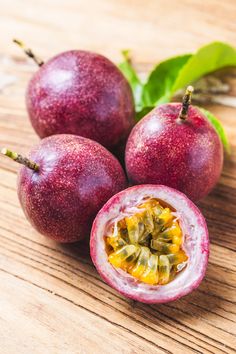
(150, 242)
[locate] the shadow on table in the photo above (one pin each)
(79, 250)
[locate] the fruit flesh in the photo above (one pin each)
(147, 244)
(82, 93)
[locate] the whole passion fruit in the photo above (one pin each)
(64, 183)
(82, 93)
(177, 146)
(150, 242)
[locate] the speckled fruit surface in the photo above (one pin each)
(76, 177)
(196, 245)
(82, 93)
(186, 155)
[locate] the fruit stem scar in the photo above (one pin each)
(186, 103)
(29, 52)
(20, 159)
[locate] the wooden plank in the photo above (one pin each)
(52, 299)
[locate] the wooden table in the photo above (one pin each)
(51, 297)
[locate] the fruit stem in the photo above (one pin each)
(29, 52)
(186, 103)
(20, 159)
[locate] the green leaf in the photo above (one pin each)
(209, 58)
(218, 127)
(158, 88)
(175, 73)
(143, 112)
(131, 75)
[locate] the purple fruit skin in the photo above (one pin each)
(82, 93)
(185, 155)
(76, 177)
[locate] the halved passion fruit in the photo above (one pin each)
(150, 242)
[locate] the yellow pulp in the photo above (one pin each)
(147, 244)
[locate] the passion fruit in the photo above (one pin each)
(150, 243)
(64, 183)
(82, 93)
(177, 146)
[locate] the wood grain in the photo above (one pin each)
(51, 298)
